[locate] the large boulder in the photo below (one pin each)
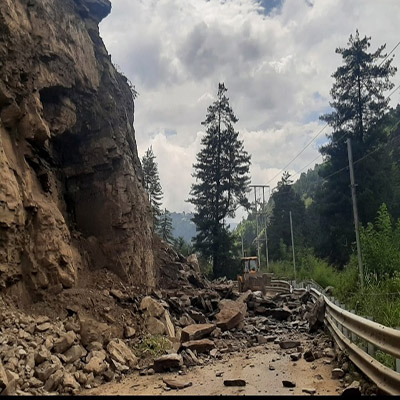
(93, 331)
(316, 315)
(121, 353)
(194, 262)
(64, 342)
(231, 314)
(196, 331)
(167, 362)
(151, 307)
(154, 326)
(201, 346)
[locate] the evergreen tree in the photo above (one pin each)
(285, 200)
(221, 173)
(358, 106)
(165, 228)
(152, 184)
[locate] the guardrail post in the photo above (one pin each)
(353, 335)
(398, 360)
(344, 330)
(371, 350)
(338, 324)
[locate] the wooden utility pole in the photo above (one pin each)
(355, 212)
(291, 232)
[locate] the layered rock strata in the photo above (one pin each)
(71, 192)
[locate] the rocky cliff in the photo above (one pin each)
(71, 193)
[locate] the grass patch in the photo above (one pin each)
(152, 346)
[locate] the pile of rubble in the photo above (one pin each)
(39, 356)
(201, 321)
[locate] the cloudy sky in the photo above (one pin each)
(275, 57)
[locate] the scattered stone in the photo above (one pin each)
(309, 390)
(93, 331)
(288, 384)
(152, 307)
(154, 326)
(337, 373)
(213, 352)
(167, 362)
(271, 368)
(288, 344)
(43, 327)
(108, 375)
(316, 315)
(234, 382)
(65, 341)
(54, 381)
(196, 331)
(295, 356)
(201, 346)
(231, 314)
(352, 390)
(129, 332)
(70, 382)
(74, 353)
(175, 383)
(169, 326)
(121, 353)
(309, 356)
(119, 295)
(44, 370)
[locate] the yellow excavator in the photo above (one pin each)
(252, 278)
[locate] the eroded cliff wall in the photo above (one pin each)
(71, 192)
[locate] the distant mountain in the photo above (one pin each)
(183, 226)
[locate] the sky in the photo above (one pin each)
(276, 58)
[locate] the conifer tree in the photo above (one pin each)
(152, 184)
(221, 173)
(165, 227)
(359, 103)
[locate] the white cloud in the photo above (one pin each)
(277, 68)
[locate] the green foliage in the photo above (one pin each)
(165, 227)
(181, 246)
(380, 245)
(358, 104)
(285, 200)
(222, 179)
(152, 346)
(152, 184)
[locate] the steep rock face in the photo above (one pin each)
(71, 191)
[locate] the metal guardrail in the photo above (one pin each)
(279, 286)
(345, 327)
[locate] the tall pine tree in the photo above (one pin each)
(152, 184)
(222, 179)
(358, 105)
(165, 228)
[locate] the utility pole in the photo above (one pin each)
(257, 214)
(355, 212)
(265, 230)
(291, 232)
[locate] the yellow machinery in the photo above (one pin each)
(252, 278)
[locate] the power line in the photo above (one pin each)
(394, 48)
(367, 155)
(323, 128)
(393, 92)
